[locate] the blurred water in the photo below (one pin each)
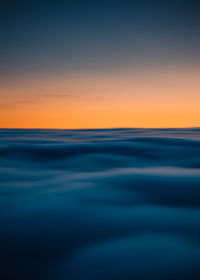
(100, 204)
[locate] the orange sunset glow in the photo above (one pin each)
(150, 97)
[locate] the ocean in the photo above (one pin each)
(108, 204)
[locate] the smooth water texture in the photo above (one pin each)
(100, 204)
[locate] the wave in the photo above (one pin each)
(100, 204)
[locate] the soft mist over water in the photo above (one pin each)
(100, 204)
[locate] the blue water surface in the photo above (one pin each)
(100, 204)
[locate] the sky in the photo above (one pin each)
(99, 64)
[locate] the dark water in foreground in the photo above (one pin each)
(100, 204)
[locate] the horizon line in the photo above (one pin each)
(103, 128)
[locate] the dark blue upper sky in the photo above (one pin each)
(82, 35)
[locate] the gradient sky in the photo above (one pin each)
(95, 64)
